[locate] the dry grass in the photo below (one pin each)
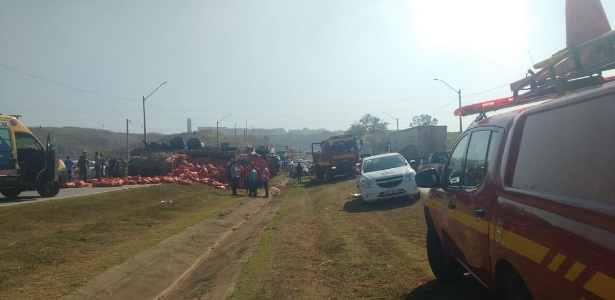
(49, 248)
(327, 245)
(321, 244)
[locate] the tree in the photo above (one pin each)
(423, 120)
(367, 124)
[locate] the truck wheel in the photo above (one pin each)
(444, 267)
(320, 173)
(11, 193)
(329, 174)
(512, 286)
(48, 189)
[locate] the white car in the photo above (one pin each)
(386, 176)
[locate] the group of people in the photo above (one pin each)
(110, 168)
(252, 177)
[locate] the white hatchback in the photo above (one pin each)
(386, 176)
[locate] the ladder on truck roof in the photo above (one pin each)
(573, 68)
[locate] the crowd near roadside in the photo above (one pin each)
(242, 170)
(104, 167)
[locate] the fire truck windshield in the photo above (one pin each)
(343, 146)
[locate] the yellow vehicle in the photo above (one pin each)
(25, 163)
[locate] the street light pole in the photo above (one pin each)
(127, 149)
(396, 119)
(459, 93)
(217, 123)
(144, 126)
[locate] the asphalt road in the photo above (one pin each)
(33, 196)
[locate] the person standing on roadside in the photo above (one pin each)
(265, 180)
(299, 169)
(83, 164)
(253, 180)
(98, 160)
(70, 165)
(123, 166)
(235, 177)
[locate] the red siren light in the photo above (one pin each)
(490, 105)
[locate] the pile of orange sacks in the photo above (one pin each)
(186, 170)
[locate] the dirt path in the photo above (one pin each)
(203, 262)
(326, 245)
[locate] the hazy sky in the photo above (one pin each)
(270, 64)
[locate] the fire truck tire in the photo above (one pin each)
(11, 193)
(329, 174)
(48, 189)
(445, 268)
(320, 173)
(511, 284)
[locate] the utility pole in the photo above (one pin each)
(396, 119)
(218, 122)
(144, 126)
(127, 149)
(458, 93)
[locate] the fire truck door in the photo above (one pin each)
(470, 228)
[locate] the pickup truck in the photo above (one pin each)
(526, 201)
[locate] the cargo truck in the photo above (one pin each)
(337, 155)
(418, 142)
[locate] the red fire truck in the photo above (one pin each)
(337, 155)
(526, 200)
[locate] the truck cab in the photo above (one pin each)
(26, 163)
(337, 155)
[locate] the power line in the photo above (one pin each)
(68, 86)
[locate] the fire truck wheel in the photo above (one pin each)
(329, 174)
(11, 193)
(511, 285)
(444, 267)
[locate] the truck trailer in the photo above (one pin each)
(418, 142)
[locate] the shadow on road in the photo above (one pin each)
(469, 288)
(311, 182)
(356, 205)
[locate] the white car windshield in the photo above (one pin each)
(383, 163)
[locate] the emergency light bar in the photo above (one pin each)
(493, 105)
(506, 102)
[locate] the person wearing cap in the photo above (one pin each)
(83, 164)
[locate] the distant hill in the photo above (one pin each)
(71, 141)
